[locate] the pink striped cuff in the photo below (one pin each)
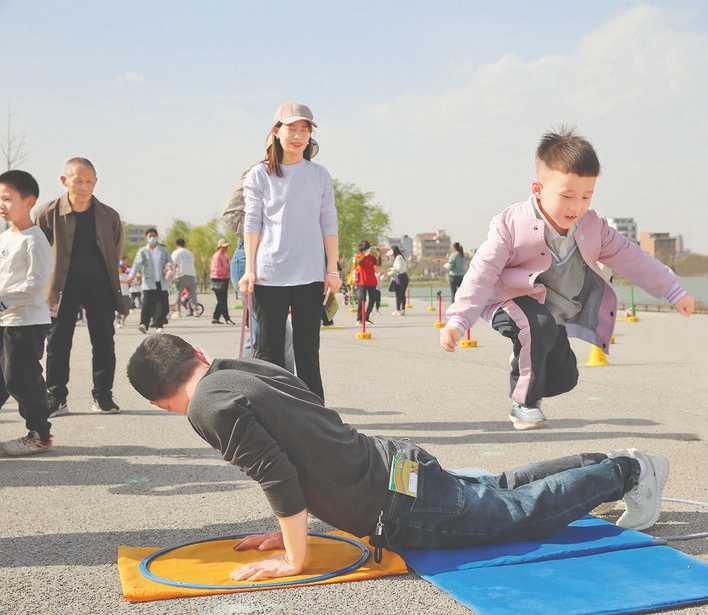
(676, 293)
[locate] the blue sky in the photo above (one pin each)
(435, 107)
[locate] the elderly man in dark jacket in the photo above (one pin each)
(87, 238)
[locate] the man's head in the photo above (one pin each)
(79, 179)
(180, 243)
(18, 194)
(165, 370)
(567, 169)
(151, 237)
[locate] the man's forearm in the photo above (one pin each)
(294, 530)
(331, 243)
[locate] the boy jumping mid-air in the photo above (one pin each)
(537, 281)
(266, 421)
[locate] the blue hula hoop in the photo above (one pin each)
(145, 565)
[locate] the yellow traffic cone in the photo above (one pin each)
(597, 357)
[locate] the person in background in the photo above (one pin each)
(25, 271)
(455, 269)
(87, 238)
(136, 295)
(151, 262)
(366, 280)
(124, 278)
(292, 242)
(185, 274)
(220, 274)
(399, 271)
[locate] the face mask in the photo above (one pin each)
(152, 241)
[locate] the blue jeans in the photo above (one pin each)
(454, 511)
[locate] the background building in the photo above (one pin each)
(432, 245)
(135, 233)
(660, 245)
(405, 243)
(626, 227)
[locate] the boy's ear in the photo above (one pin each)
(62, 179)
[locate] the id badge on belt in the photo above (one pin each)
(404, 476)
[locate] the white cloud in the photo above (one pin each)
(130, 77)
(637, 87)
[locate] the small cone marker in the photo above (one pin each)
(468, 342)
(363, 334)
(409, 305)
(430, 308)
(439, 323)
(597, 358)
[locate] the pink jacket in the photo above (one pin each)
(220, 268)
(515, 254)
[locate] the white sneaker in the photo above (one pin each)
(158, 330)
(27, 445)
(644, 500)
(523, 417)
(396, 313)
(142, 329)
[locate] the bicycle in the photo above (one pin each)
(187, 302)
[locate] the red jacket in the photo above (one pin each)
(367, 271)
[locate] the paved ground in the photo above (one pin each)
(144, 478)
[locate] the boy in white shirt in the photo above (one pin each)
(25, 270)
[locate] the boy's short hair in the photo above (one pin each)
(152, 229)
(180, 242)
(565, 151)
(160, 365)
(22, 182)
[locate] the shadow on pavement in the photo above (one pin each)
(99, 548)
(504, 425)
(360, 412)
(123, 477)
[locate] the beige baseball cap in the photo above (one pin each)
(222, 243)
(290, 112)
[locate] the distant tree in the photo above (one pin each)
(13, 146)
(179, 228)
(359, 218)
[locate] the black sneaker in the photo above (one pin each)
(105, 406)
(57, 407)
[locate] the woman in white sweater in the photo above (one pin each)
(399, 271)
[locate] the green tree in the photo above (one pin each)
(179, 228)
(359, 218)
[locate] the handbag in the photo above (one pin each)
(219, 284)
(331, 306)
(392, 286)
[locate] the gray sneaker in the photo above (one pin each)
(643, 502)
(523, 417)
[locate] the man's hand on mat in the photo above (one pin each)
(449, 337)
(262, 542)
(278, 566)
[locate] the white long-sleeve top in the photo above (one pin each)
(293, 214)
(400, 265)
(26, 265)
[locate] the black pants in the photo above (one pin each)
(221, 290)
(21, 350)
(271, 306)
(98, 300)
(400, 287)
(367, 294)
(156, 306)
(544, 364)
(455, 281)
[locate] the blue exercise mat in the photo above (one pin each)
(591, 567)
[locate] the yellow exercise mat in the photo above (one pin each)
(212, 562)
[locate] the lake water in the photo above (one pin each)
(696, 286)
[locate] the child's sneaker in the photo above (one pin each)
(643, 501)
(30, 444)
(523, 417)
